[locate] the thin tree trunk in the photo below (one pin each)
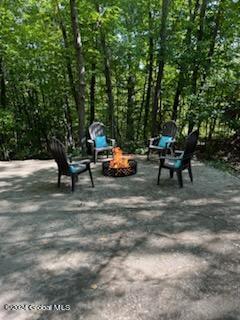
(80, 69)
(130, 108)
(210, 52)
(67, 57)
(183, 68)
(150, 76)
(162, 54)
(92, 93)
(68, 117)
(213, 41)
(3, 99)
(108, 78)
(141, 109)
(211, 128)
(196, 65)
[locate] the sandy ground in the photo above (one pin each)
(126, 249)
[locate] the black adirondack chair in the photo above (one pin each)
(181, 160)
(169, 130)
(67, 168)
(97, 129)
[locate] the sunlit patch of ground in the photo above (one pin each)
(126, 249)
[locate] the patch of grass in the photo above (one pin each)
(223, 165)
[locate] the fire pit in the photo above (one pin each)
(119, 166)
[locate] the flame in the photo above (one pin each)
(118, 161)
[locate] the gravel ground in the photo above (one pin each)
(126, 249)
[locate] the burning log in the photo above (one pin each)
(120, 165)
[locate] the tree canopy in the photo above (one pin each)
(131, 64)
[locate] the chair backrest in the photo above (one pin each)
(190, 145)
(59, 155)
(169, 129)
(96, 129)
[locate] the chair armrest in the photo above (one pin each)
(85, 161)
(152, 140)
(112, 141)
(91, 141)
(170, 158)
(178, 155)
(91, 144)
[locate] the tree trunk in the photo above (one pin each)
(196, 64)
(139, 126)
(108, 78)
(183, 68)
(213, 41)
(162, 54)
(92, 93)
(67, 57)
(68, 117)
(150, 76)
(3, 99)
(130, 108)
(211, 128)
(80, 69)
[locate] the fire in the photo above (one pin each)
(118, 161)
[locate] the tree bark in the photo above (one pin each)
(196, 64)
(215, 31)
(130, 108)
(183, 68)
(162, 54)
(139, 125)
(68, 117)
(150, 76)
(67, 57)
(80, 70)
(108, 78)
(92, 93)
(3, 99)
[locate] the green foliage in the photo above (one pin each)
(39, 97)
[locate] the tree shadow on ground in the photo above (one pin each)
(125, 247)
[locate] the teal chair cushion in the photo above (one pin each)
(76, 168)
(101, 142)
(165, 141)
(176, 164)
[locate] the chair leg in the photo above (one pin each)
(190, 172)
(148, 154)
(171, 173)
(180, 180)
(59, 179)
(95, 156)
(159, 172)
(107, 154)
(73, 182)
(91, 177)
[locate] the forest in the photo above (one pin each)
(132, 65)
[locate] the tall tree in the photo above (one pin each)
(161, 63)
(215, 30)
(196, 62)
(183, 67)
(108, 76)
(80, 70)
(150, 73)
(130, 107)
(92, 92)
(2, 85)
(67, 55)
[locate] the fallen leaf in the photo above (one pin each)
(93, 286)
